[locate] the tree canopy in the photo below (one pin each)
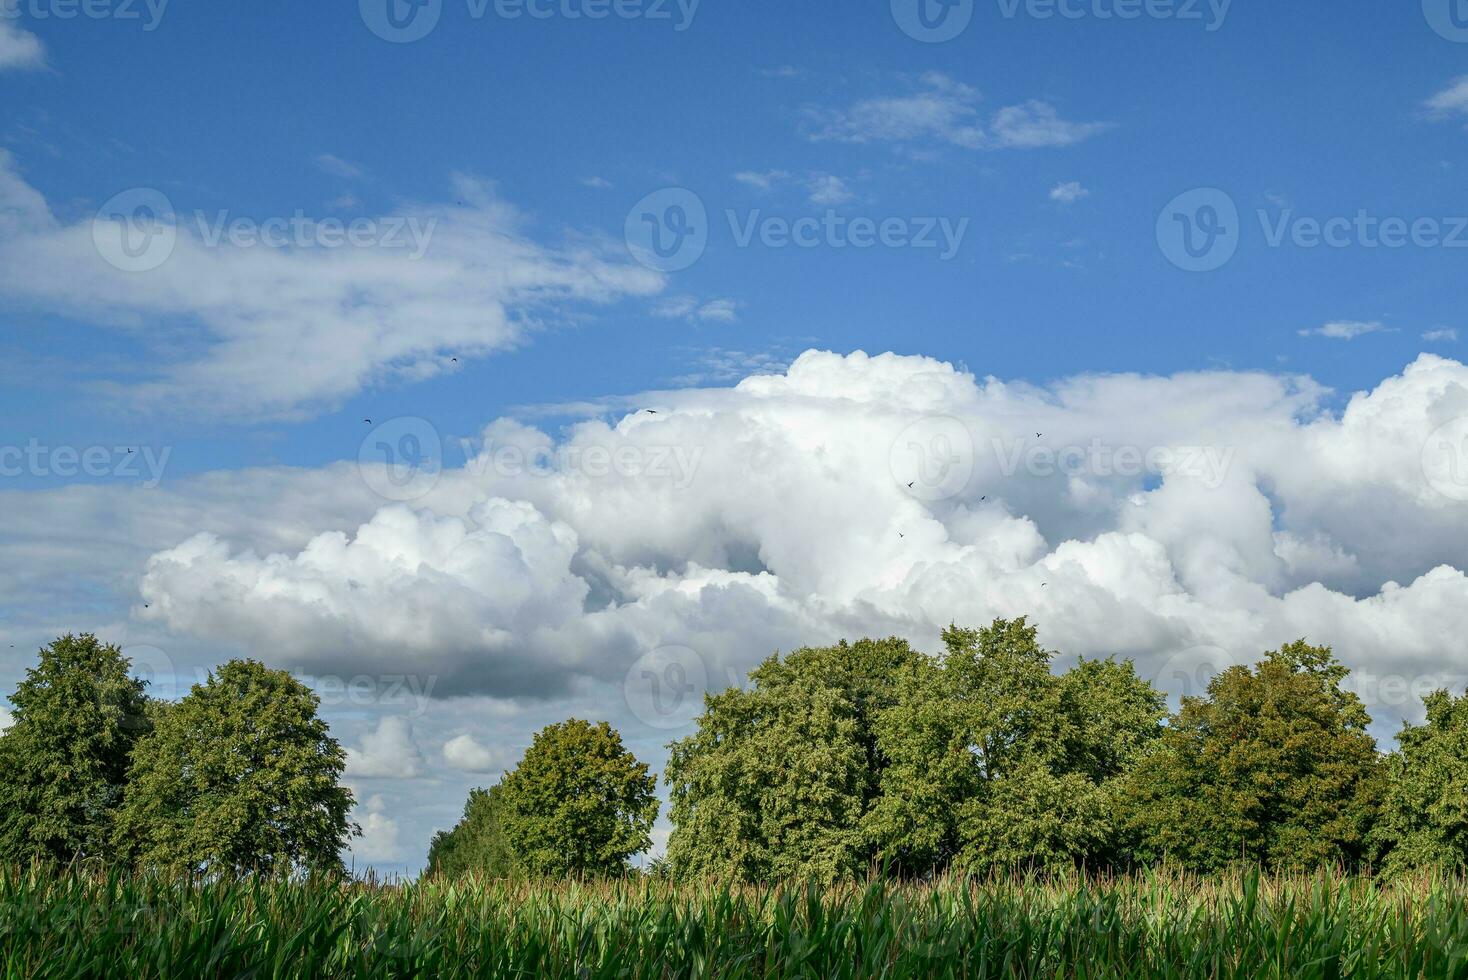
(239, 776)
(1425, 814)
(478, 843)
(578, 802)
(63, 762)
(1274, 767)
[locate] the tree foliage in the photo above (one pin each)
(1274, 768)
(779, 777)
(1425, 814)
(63, 762)
(239, 776)
(578, 802)
(994, 761)
(478, 844)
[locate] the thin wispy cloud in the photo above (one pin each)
(599, 183)
(335, 166)
(19, 49)
(692, 309)
(945, 111)
(822, 189)
(1068, 192)
(1451, 101)
(828, 190)
(761, 180)
(290, 332)
(1443, 333)
(1346, 329)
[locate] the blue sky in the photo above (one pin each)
(494, 166)
(1315, 109)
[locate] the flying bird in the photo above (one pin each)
(368, 421)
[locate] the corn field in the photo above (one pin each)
(93, 925)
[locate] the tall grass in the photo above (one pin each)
(81, 925)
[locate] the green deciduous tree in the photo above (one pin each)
(779, 777)
(239, 776)
(995, 762)
(1425, 814)
(478, 843)
(63, 763)
(1274, 767)
(578, 802)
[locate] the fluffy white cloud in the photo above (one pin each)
(19, 48)
(1145, 516)
(387, 752)
(941, 110)
(380, 833)
(284, 331)
(6, 719)
(467, 754)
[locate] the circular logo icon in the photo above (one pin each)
(1445, 460)
(152, 665)
(1448, 17)
(1198, 231)
(402, 458)
(400, 21)
(933, 458)
(668, 230)
(1187, 674)
(135, 231)
(933, 21)
(665, 687)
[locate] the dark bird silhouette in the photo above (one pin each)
(1039, 434)
(454, 359)
(368, 421)
(650, 411)
(901, 535)
(909, 486)
(982, 499)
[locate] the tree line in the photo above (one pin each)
(837, 762)
(833, 762)
(240, 775)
